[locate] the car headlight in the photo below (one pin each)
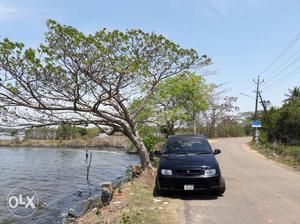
(210, 172)
(166, 172)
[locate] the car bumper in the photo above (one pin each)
(175, 183)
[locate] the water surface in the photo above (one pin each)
(58, 176)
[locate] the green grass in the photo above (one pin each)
(289, 155)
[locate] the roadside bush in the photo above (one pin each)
(288, 154)
(151, 136)
(263, 138)
(284, 123)
(151, 142)
(224, 129)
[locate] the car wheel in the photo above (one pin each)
(157, 191)
(222, 188)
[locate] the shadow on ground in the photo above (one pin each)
(189, 195)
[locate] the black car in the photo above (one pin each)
(188, 163)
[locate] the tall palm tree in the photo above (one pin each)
(293, 93)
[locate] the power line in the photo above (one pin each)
(286, 49)
(285, 78)
(244, 94)
(270, 79)
(275, 72)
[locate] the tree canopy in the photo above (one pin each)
(176, 102)
(75, 78)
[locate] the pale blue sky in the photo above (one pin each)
(241, 37)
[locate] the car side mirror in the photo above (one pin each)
(157, 153)
(217, 151)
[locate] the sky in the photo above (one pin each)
(244, 38)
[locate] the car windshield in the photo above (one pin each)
(188, 145)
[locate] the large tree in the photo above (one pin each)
(176, 102)
(75, 78)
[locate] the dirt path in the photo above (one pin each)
(258, 190)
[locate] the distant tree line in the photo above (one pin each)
(63, 132)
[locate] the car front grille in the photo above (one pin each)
(189, 172)
(199, 183)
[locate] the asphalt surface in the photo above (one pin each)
(259, 190)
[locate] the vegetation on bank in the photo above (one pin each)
(115, 141)
(282, 124)
(133, 203)
(280, 133)
(289, 155)
(62, 132)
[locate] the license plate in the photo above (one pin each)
(188, 187)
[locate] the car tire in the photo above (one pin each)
(157, 191)
(222, 188)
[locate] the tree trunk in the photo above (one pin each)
(194, 124)
(139, 144)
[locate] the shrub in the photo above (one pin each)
(151, 141)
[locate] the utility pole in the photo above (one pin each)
(257, 82)
(267, 116)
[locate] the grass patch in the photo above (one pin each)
(289, 155)
(134, 204)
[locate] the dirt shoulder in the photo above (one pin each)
(134, 203)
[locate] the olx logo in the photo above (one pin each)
(22, 201)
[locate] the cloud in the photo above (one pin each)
(8, 12)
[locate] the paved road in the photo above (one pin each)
(258, 190)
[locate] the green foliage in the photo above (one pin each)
(182, 96)
(67, 132)
(176, 102)
(231, 129)
(126, 219)
(151, 141)
(92, 79)
(87, 133)
(150, 135)
(225, 129)
(284, 123)
(293, 94)
(63, 132)
(289, 155)
(42, 133)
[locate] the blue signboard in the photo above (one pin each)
(256, 124)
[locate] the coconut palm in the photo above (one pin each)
(293, 93)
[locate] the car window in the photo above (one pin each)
(188, 145)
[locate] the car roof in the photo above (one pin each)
(186, 136)
(174, 138)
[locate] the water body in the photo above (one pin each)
(58, 176)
